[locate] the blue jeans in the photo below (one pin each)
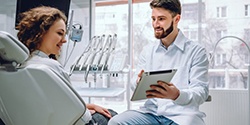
(132, 117)
(99, 119)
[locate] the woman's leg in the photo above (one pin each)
(132, 117)
(100, 119)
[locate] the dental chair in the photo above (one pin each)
(34, 94)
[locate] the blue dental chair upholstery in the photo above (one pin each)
(34, 94)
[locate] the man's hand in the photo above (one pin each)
(163, 90)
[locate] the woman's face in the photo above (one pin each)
(54, 38)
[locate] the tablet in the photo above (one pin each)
(151, 78)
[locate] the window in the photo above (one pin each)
(112, 17)
(247, 10)
(190, 11)
(220, 59)
(217, 81)
(217, 59)
(247, 35)
(221, 11)
(99, 16)
(220, 34)
(191, 34)
(246, 55)
(224, 58)
(220, 81)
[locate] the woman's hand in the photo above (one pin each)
(139, 76)
(95, 108)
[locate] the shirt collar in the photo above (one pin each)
(40, 53)
(179, 42)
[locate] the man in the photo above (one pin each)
(177, 103)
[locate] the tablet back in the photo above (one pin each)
(150, 78)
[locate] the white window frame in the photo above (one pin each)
(191, 34)
(247, 10)
(221, 33)
(221, 12)
(246, 55)
(220, 59)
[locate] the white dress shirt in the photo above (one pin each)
(191, 78)
(39, 57)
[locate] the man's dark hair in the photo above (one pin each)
(174, 6)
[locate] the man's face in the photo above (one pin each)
(162, 22)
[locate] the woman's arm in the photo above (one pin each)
(95, 108)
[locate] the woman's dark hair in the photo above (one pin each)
(35, 22)
(53, 56)
(174, 6)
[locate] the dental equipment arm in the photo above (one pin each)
(81, 58)
(92, 56)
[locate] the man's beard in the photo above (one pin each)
(165, 33)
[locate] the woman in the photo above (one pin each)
(42, 30)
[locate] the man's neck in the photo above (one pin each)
(167, 41)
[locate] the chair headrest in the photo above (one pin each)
(11, 49)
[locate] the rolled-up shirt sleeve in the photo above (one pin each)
(86, 117)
